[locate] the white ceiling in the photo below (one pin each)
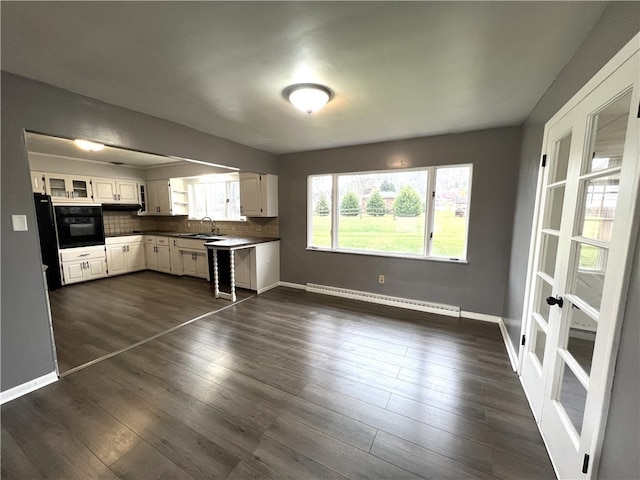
(398, 69)
(63, 147)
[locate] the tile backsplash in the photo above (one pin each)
(116, 223)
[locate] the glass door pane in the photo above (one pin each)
(572, 396)
(57, 187)
(609, 128)
(581, 337)
(599, 200)
(80, 189)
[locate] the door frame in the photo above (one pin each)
(630, 49)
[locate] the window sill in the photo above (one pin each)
(216, 220)
(390, 255)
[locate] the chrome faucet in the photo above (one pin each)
(213, 225)
(215, 230)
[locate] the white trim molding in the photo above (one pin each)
(27, 387)
(407, 303)
(268, 287)
(511, 351)
(299, 286)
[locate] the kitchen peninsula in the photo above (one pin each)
(250, 262)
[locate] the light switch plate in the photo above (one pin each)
(19, 223)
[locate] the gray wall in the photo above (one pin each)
(26, 349)
(618, 24)
(477, 286)
(620, 459)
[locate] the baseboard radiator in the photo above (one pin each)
(422, 306)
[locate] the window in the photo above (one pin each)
(215, 196)
(419, 213)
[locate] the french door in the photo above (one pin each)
(586, 230)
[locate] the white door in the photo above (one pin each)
(104, 190)
(202, 267)
(578, 285)
(152, 197)
(73, 272)
(164, 258)
(243, 268)
(115, 259)
(127, 191)
(96, 268)
(135, 256)
(151, 256)
(189, 264)
(164, 197)
(250, 194)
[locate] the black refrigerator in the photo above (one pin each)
(48, 239)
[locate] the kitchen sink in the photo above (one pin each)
(202, 236)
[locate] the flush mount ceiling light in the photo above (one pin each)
(89, 146)
(308, 97)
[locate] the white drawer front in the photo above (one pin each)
(70, 254)
(123, 239)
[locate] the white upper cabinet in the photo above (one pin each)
(109, 190)
(68, 188)
(166, 197)
(158, 197)
(258, 195)
(38, 184)
(104, 190)
(127, 191)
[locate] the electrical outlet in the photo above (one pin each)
(380, 278)
(258, 228)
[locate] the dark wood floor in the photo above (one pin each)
(287, 385)
(96, 318)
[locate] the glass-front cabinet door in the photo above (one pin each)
(69, 188)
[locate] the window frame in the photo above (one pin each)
(428, 223)
(225, 179)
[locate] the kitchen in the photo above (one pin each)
(154, 225)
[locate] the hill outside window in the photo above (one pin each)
(417, 213)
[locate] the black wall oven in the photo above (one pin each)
(79, 226)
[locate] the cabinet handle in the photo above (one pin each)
(124, 248)
(127, 248)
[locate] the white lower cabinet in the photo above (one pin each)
(82, 264)
(176, 257)
(265, 273)
(125, 254)
(157, 253)
(242, 267)
(193, 257)
(257, 267)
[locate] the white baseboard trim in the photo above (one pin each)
(27, 387)
(299, 286)
(400, 302)
(513, 355)
(268, 287)
(483, 317)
